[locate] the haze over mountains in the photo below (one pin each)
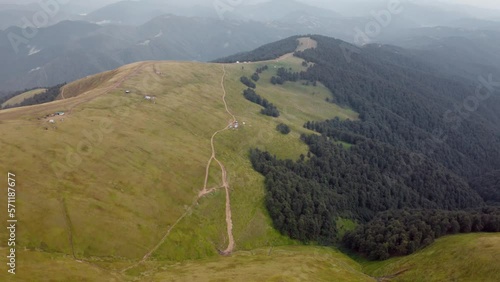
(83, 38)
(381, 147)
(272, 140)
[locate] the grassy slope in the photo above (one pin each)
(19, 98)
(252, 225)
(276, 264)
(79, 87)
(119, 195)
(469, 257)
(127, 189)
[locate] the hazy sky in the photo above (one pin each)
(491, 4)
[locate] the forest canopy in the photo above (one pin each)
(407, 151)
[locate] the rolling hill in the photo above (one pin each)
(454, 258)
(157, 184)
(19, 98)
(131, 180)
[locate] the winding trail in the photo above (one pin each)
(163, 239)
(225, 182)
(205, 191)
(62, 93)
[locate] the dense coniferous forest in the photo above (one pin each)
(284, 75)
(488, 186)
(404, 104)
(397, 233)
(412, 148)
(354, 183)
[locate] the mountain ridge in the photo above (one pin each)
(94, 171)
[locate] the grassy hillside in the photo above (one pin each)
(270, 264)
(109, 179)
(90, 83)
(118, 178)
(19, 98)
(469, 257)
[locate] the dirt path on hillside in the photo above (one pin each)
(225, 182)
(163, 239)
(205, 191)
(62, 93)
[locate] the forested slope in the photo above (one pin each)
(422, 138)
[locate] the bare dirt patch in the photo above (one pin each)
(306, 43)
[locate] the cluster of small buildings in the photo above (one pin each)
(51, 116)
(234, 125)
(146, 97)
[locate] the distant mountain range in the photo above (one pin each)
(130, 31)
(71, 50)
(140, 12)
(463, 52)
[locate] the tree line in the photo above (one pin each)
(267, 52)
(306, 197)
(407, 155)
(284, 75)
(247, 82)
(269, 108)
(402, 232)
